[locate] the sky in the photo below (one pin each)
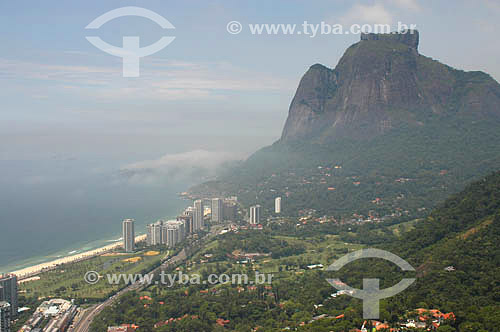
(209, 90)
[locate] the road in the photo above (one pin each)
(83, 323)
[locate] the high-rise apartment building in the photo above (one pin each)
(149, 235)
(198, 214)
(230, 210)
(254, 215)
(277, 205)
(163, 233)
(217, 210)
(128, 235)
(157, 232)
(187, 219)
(8, 292)
(5, 316)
(154, 235)
(175, 232)
(195, 220)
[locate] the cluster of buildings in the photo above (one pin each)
(223, 209)
(122, 328)
(214, 211)
(254, 212)
(168, 233)
(191, 221)
(8, 301)
(426, 319)
(51, 316)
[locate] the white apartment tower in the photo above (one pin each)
(277, 205)
(254, 215)
(128, 235)
(157, 238)
(175, 232)
(198, 215)
(149, 234)
(155, 235)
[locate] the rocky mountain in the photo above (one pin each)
(387, 130)
(380, 82)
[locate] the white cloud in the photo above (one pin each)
(159, 80)
(367, 14)
(493, 4)
(194, 165)
(406, 4)
(379, 12)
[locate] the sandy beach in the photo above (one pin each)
(33, 270)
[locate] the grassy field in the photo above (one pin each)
(324, 251)
(404, 227)
(68, 281)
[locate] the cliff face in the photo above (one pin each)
(382, 82)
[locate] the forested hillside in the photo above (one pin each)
(455, 252)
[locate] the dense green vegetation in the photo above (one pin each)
(463, 232)
(244, 304)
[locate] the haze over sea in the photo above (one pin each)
(53, 207)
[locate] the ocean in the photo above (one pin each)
(55, 208)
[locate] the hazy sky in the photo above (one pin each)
(208, 90)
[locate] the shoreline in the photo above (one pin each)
(31, 271)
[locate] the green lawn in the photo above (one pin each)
(317, 251)
(68, 282)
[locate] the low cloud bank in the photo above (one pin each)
(190, 166)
